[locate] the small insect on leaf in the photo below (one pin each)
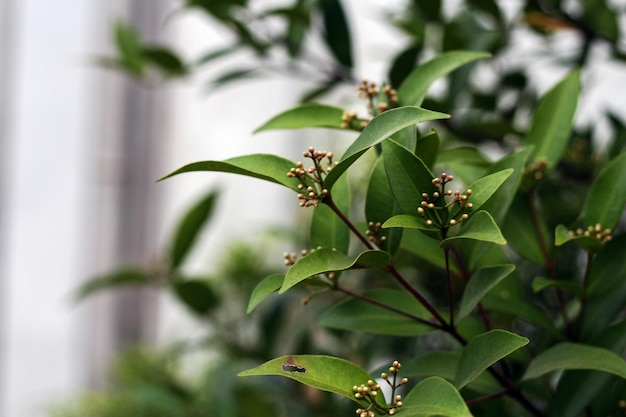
(292, 367)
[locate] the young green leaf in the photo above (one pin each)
(197, 295)
(326, 373)
(480, 226)
(552, 120)
(575, 356)
(408, 176)
(361, 316)
(606, 198)
(414, 88)
(327, 229)
(267, 167)
(485, 187)
(380, 128)
(480, 284)
(189, 229)
(483, 351)
(409, 222)
(327, 260)
(306, 115)
(380, 205)
(267, 286)
(434, 396)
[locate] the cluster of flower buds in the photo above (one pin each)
(291, 258)
(593, 231)
(373, 232)
(392, 96)
(430, 202)
(367, 89)
(366, 391)
(315, 193)
(393, 370)
(348, 119)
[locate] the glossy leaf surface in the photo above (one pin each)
(380, 128)
(434, 396)
(327, 260)
(326, 373)
(409, 222)
(306, 115)
(416, 85)
(575, 356)
(408, 176)
(484, 188)
(480, 284)
(267, 167)
(480, 226)
(267, 286)
(483, 351)
(380, 204)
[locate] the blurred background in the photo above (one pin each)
(81, 148)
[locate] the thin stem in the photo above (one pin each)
(446, 253)
(386, 306)
(487, 397)
(330, 203)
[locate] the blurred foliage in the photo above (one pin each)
(492, 103)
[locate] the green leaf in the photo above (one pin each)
(129, 47)
(444, 364)
(414, 88)
(166, 60)
(541, 283)
(485, 187)
(606, 290)
(403, 63)
(552, 120)
(189, 228)
(515, 307)
(408, 176)
(483, 351)
(434, 396)
(120, 278)
(326, 373)
(197, 295)
(267, 286)
(361, 316)
(380, 128)
(480, 226)
(336, 31)
(231, 76)
(409, 222)
(305, 115)
(519, 231)
(215, 54)
(480, 284)
(425, 247)
(607, 196)
(267, 167)
(464, 155)
(327, 229)
(327, 260)
(380, 205)
(427, 148)
(588, 243)
(575, 356)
